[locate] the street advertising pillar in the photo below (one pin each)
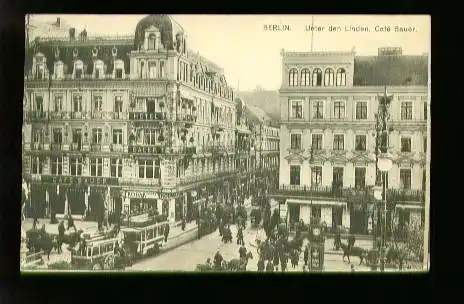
(316, 248)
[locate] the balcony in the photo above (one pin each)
(79, 115)
(117, 148)
(58, 115)
(218, 125)
(144, 116)
(56, 146)
(146, 149)
(405, 195)
(118, 115)
(188, 118)
(76, 147)
(190, 150)
(37, 146)
(36, 116)
(133, 181)
(95, 147)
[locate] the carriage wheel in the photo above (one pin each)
(97, 266)
(109, 262)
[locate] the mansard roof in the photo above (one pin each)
(167, 26)
(399, 70)
(64, 49)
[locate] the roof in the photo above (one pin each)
(168, 27)
(258, 113)
(390, 70)
(267, 102)
(84, 48)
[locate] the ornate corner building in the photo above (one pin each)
(328, 112)
(128, 122)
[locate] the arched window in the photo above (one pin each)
(151, 41)
(118, 69)
(78, 69)
(305, 81)
(293, 77)
(328, 77)
(59, 70)
(317, 77)
(98, 69)
(341, 77)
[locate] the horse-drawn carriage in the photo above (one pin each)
(98, 255)
(234, 265)
(145, 240)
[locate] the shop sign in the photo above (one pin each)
(168, 174)
(79, 180)
(142, 195)
(144, 149)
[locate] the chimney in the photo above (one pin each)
(58, 22)
(72, 34)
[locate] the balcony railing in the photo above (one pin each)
(147, 149)
(190, 150)
(338, 192)
(119, 115)
(117, 148)
(36, 146)
(56, 146)
(186, 118)
(76, 146)
(95, 147)
(36, 115)
(144, 116)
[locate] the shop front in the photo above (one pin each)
(409, 214)
(139, 201)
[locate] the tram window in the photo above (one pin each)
(95, 251)
(160, 230)
(110, 247)
(89, 251)
(149, 234)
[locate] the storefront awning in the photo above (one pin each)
(319, 203)
(405, 206)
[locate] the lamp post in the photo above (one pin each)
(384, 164)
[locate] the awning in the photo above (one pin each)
(405, 206)
(314, 202)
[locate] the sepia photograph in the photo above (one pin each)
(226, 143)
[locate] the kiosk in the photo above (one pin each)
(316, 248)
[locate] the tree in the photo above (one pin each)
(408, 244)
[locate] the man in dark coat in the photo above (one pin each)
(261, 265)
(218, 260)
(306, 255)
(337, 239)
(166, 232)
(71, 222)
(60, 235)
(183, 224)
(242, 252)
(351, 241)
(269, 267)
(240, 236)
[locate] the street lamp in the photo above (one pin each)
(384, 163)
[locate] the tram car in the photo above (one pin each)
(143, 238)
(98, 255)
(255, 216)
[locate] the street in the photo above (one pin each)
(186, 257)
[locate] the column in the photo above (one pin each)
(172, 210)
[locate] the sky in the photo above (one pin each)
(250, 55)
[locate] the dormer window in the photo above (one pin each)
(78, 69)
(119, 69)
(59, 70)
(151, 41)
(39, 71)
(98, 69)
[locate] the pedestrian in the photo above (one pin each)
(116, 248)
(34, 223)
(71, 223)
(240, 236)
(166, 232)
(60, 235)
(352, 268)
(306, 255)
(183, 224)
(269, 267)
(242, 252)
(261, 265)
(337, 239)
(218, 260)
(351, 241)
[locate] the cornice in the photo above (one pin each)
(395, 90)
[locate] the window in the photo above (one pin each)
(316, 176)
(316, 143)
(78, 69)
(337, 181)
(96, 135)
(161, 69)
(317, 77)
(425, 110)
(57, 136)
(59, 70)
(117, 136)
(328, 77)
(405, 179)
(295, 140)
(305, 80)
(294, 175)
(98, 70)
(149, 169)
(118, 104)
(318, 110)
(339, 140)
(57, 165)
(150, 136)
(39, 71)
(293, 77)
(39, 103)
(119, 69)
(96, 166)
(77, 103)
(58, 103)
(405, 144)
(297, 109)
(77, 136)
(36, 165)
(406, 110)
(359, 178)
(360, 143)
(341, 77)
(37, 136)
(339, 110)
(116, 167)
(151, 41)
(97, 103)
(152, 70)
(76, 166)
(361, 110)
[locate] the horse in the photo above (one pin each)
(239, 264)
(203, 267)
(72, 238)
(38, 240)
(355, 251)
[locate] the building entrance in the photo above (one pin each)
(337, 216)
(293, 215)
(358, 219)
